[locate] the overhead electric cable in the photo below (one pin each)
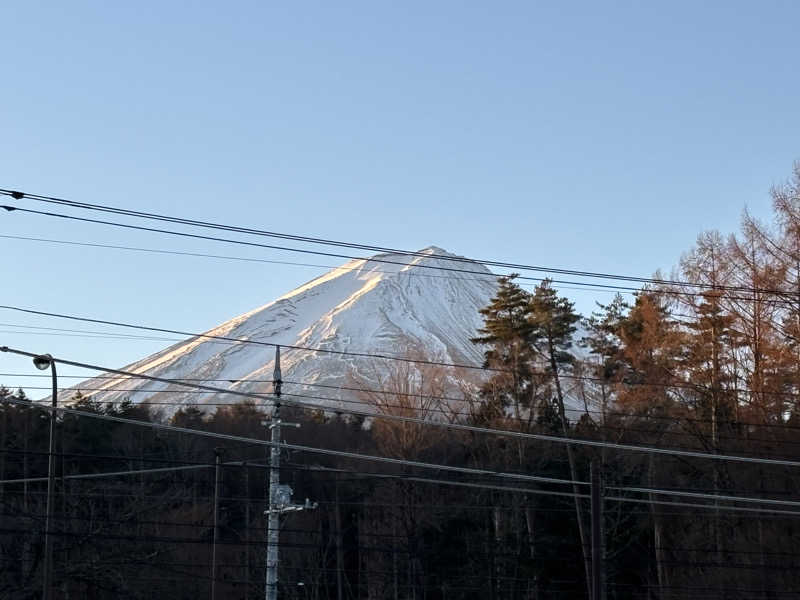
(323, 350)
(763, 513)
(244, 463)
(661, 291)
(242, 242)
(559, 284)
(249, 341)
(556, 283)
(663, 433)
(310, 449)
(400, 393)
(701, 496)
(455, 426)
(19, 195)
(336, 408)
(663, 492)
(239, 463)
(109, 474)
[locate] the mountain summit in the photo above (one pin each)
(390, 304)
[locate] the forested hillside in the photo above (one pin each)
(705, 360)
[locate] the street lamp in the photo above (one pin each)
(42, 362)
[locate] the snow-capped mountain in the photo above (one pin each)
(390, 304)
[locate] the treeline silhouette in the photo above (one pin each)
(708, 360)
(379, 531)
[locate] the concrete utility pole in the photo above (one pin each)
(280, 496)
(597, 532)
(217, 464)
(273, 516)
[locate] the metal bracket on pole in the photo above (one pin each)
(281, 502)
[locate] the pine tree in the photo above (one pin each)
(553, 320)
(506, 335)
(603, 338)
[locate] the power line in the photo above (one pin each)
(698, 495)
(763, 513)
(714, 507)
(456, 426)
(398, 393)
(559, 284)
(362, 534)
(677, 493)
(110, 457)
(88, 333)
(471, 485)
(556, 283)
(339, 453)
(427, 410)
(246, 243)
(353, 245)
(381, 404)
(422, 265)
(691, 387)
(248, 463)
(662, 492)
(247, 341)
(109, 474)
(466, 470)
(293, 467)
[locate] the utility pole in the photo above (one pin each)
(247, 529)
(217, 469)
(280, 496)
(273, 516)
(339, 556)
(42, 362)
(597, 533)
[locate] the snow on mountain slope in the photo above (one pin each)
(363, 306)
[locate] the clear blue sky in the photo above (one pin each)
(600, 136)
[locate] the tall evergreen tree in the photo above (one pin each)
(553, 321)
(604, 365)
(506, 335)
(603, 338)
